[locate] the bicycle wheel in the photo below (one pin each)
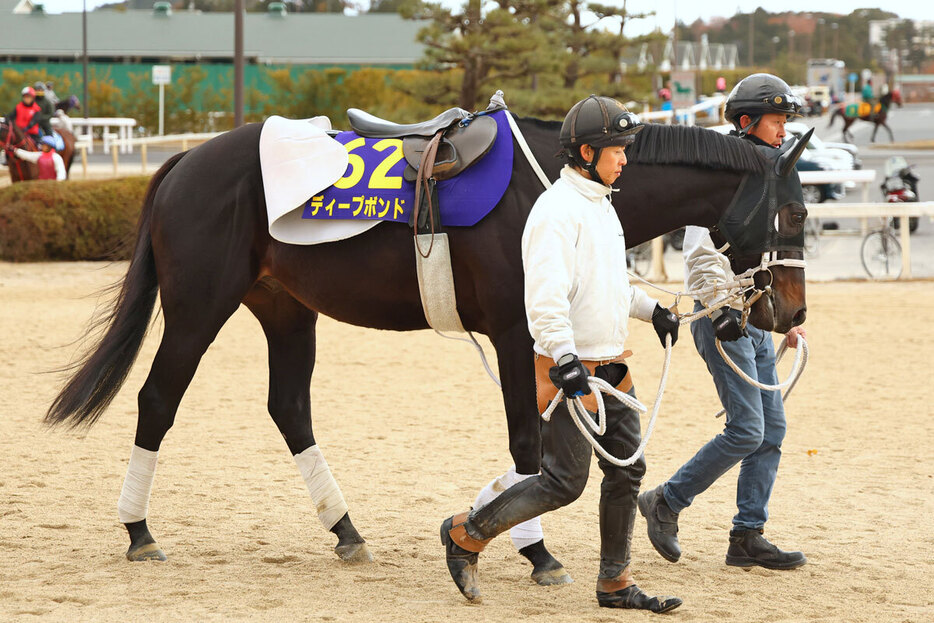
(882, 255)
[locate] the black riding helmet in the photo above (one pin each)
(600, 122)
(760, 94)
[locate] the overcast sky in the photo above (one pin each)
(686, 10)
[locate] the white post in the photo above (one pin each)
(161, 108)
(903, 222)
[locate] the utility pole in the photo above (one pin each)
(239, 9)
(85, 103)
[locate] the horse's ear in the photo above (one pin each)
(787, 161)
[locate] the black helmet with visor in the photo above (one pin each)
(761, 94)
(600, 122)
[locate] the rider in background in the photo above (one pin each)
(869, 97)
(46, 109)
(51, 166)
(578, 301)
(50, 94)
(755, 422)
(24, 114)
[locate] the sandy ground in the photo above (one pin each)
(855, 489)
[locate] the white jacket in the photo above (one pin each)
(577, 293)
(704, 266)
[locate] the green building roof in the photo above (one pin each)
(299, 38)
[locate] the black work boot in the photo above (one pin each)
(621, 592)
(749, 548)
(662, 523)
(462, 561)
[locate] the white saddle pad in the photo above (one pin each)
(299, 160)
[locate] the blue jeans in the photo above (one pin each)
(755, 427)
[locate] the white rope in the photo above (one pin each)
(781, 353)
(583, 421)
(476, 344)
(528, 152)
(801, 356)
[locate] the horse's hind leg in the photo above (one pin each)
(191, 324)
(514, 355)
(290, 333)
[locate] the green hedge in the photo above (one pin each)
(88, 220)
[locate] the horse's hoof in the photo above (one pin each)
(552, 577)
(353, 553)
(149, 551)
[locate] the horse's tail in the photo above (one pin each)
(104, 368)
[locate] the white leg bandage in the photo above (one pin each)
(133, 505)
(525, 533)
(324, 491)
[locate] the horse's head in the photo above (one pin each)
(896, 96)
(764, 231)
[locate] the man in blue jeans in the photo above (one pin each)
(755, 419)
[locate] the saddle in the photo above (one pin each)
(460, 145)
(434, 150)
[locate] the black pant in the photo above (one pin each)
(565, 467)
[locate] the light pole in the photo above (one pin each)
(775, 41)
(835, 27)
(791, 46)
(239, 9)
(84, 58)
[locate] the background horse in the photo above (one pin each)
(12, 137)
(878, 119)
(203, 246)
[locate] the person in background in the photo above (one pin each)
(721, 85)
(755, 419)
(46, 110)
(24, 113)
(51, 166)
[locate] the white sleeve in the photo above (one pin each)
(60, 173)
(641, 305)
(28, 156)
(702, 263)
(548, 244)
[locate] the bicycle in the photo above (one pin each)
(882, 253)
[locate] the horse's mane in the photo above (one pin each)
(693, 146)
(690, 146)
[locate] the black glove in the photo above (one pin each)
(571, 376)
(665, 322)
(727, 324)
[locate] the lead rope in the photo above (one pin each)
(584, 421)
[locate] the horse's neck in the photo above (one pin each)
(656, 199)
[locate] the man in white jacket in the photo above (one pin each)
(755, 419)
(578, 302)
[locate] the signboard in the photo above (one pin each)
(161, 74)
(683, 89)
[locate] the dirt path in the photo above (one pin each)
(855, 489)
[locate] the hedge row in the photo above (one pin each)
(86, 220)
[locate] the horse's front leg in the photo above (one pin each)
(517, 374)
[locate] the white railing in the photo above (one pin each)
(122, 125)
(901, 211)
(127, 144)
(863, 211)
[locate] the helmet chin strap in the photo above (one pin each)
(591, 167)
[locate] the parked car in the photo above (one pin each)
(836, 156)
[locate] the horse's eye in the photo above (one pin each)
(798, 219)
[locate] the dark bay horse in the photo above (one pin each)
(878, 119)
(12, 137)
(203, 246)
